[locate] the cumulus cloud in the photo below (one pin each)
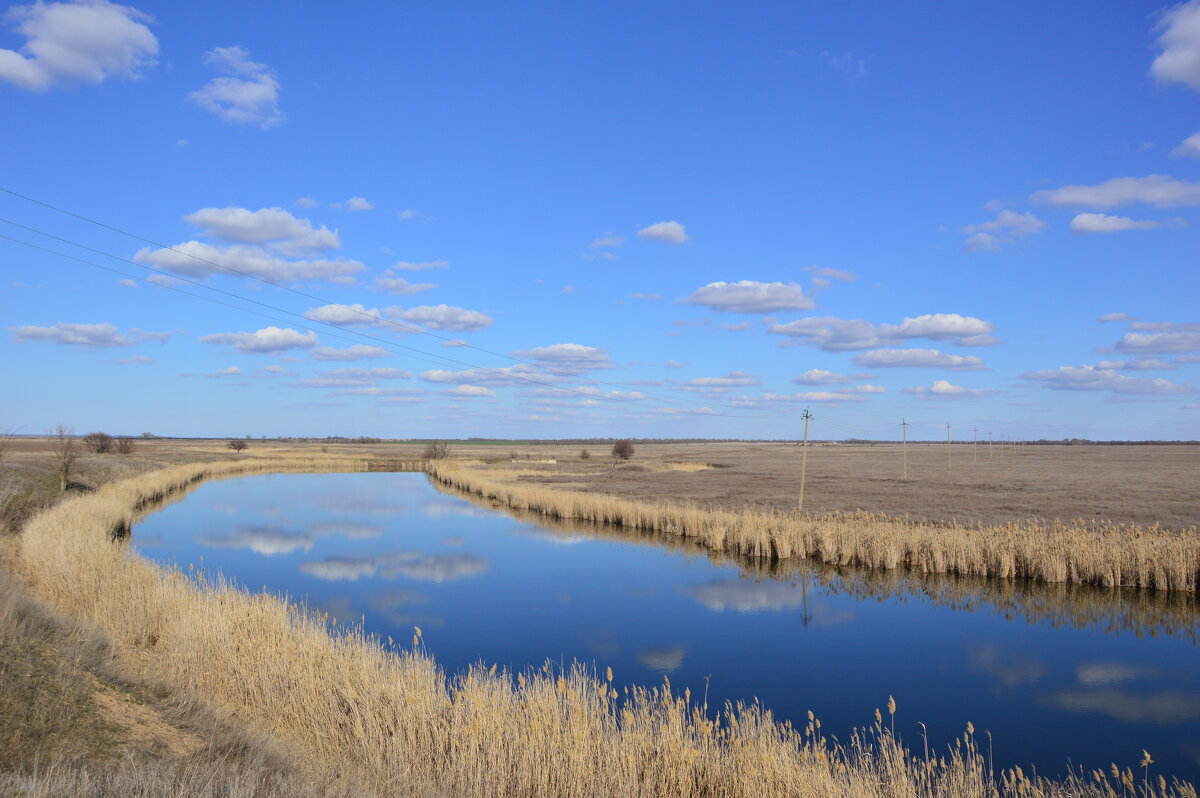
(77, 42)
(358, 204)
(1008, 225)
(1159, 190)
(395, 284)
(1188, 148)
(608, 240)
(1160, 338)
(732, 380)
(1094, 378)
(823, 377)
(264, 341)
(92, 336)
(1179, 61)
(245, 93)
(664, 232)
(1139, 363)
(917, 358)
(1103, 223)
(355, 352)
(942, 389)
(837, 335)
(769, 399)
(567, 358)
(751, 296)
(1107, 317)
(447, 317)
(469, 391)
(197, 259)
(519, 374)
(289, 234)
(356, 315)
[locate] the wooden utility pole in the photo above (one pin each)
(949, 456)
(975, 446)
(904, 445)
(804, 456)
(989, 444)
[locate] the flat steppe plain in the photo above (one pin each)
(1141, 484)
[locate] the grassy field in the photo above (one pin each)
(347, 714)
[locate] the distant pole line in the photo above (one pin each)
(949, 454)
(975, 446)
(904, 445)
(804, 456)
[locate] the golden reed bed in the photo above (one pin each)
(385, 717)
(1102, 554)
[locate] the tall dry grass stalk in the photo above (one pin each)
(389, 718)
(1105, 554)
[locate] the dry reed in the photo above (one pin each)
(350, 704)
(1105, 554)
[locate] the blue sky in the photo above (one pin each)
(603, 219)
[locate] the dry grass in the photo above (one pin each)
(1104, 554)
(384, 716)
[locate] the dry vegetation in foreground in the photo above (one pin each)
(1104, 554)
(355, 708)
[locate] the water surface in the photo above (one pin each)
(1056, 674)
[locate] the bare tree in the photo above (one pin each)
(6, 436)
(124, 445)
(98, 442)
(623, 449)
(237, 444)
(65, 446)
(437, 450)
(585, 455)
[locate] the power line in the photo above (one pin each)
(305, 294)
(386, 344)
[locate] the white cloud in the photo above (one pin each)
(355, 352)
(664, 232)
(358, 204)
(519, 374)
(735, 379)
(1139, 363)
(608, 240)
(1159, 190)
(469, 391)
(92, 336)
(246, 93)
(567, 358)
(832, 274)
(1102, 223)
(447, 317)
(1179, 60)
(352, 378)
(356, 315)
(838, 335)
(275, 226)
(1107, 317)
(231, 371)
(197, 259)
(1171, 341)
(942, 389)
(646, 297)
(127, 283)
(751, 296)
(457, 342)
(394, 284)
(306, 202)
(417, 267)
(77, 42)
(1008, 225)
(917, 358)
(1093, 378)
(136, 360)
(1188, 148)
(823, 377)
(264, 341)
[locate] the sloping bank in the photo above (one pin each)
(1104, 554)
(388, 716)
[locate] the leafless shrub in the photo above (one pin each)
(124, 445)
(237, 444)
(436, 450)
(585, 455)
(98, 442)
(623, 449)
(6, 436)
(65, 446)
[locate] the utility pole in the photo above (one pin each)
(949, 456)
(804, 456)
(989, 445)
(975, 446)
(904, 445)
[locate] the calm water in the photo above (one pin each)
(1055, 674)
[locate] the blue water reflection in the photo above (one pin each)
(1055, 674)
